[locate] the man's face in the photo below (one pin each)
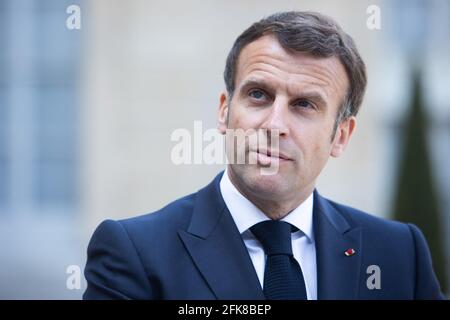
(297, 96)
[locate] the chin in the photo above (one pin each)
(269, 186)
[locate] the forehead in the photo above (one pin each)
(267, 60)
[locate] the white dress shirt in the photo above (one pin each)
(245, 215)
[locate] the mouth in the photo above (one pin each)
(266, 157)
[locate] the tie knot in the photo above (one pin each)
(274, 235)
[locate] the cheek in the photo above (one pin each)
(240, 119)
(322, 152)
(314, 148)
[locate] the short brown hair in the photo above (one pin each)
(312, 33)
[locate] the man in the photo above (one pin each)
(299, 79)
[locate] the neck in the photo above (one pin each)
(273, 208)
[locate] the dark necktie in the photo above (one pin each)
(283, 277)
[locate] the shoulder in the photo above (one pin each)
(167, 220)
(357, 217)
(144, 234)
(375, 226)
(387, 236)
(157, 225)
(397, 244)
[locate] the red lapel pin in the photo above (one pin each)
(350, 252)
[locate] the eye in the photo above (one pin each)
(303, 103)
(257, 94)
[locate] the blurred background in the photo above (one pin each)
(86, 117)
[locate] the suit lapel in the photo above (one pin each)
(217, 249)
(338, 275)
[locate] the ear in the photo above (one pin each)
(342, 136)
(222, 116)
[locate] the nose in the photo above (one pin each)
(277, 117)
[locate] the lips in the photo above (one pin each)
(273, 154)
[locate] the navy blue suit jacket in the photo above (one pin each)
(192, 249)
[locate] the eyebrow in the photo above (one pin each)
(254, 83)
(311, 95)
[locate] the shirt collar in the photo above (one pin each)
(245, 214)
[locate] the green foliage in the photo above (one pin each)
(417, 199)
